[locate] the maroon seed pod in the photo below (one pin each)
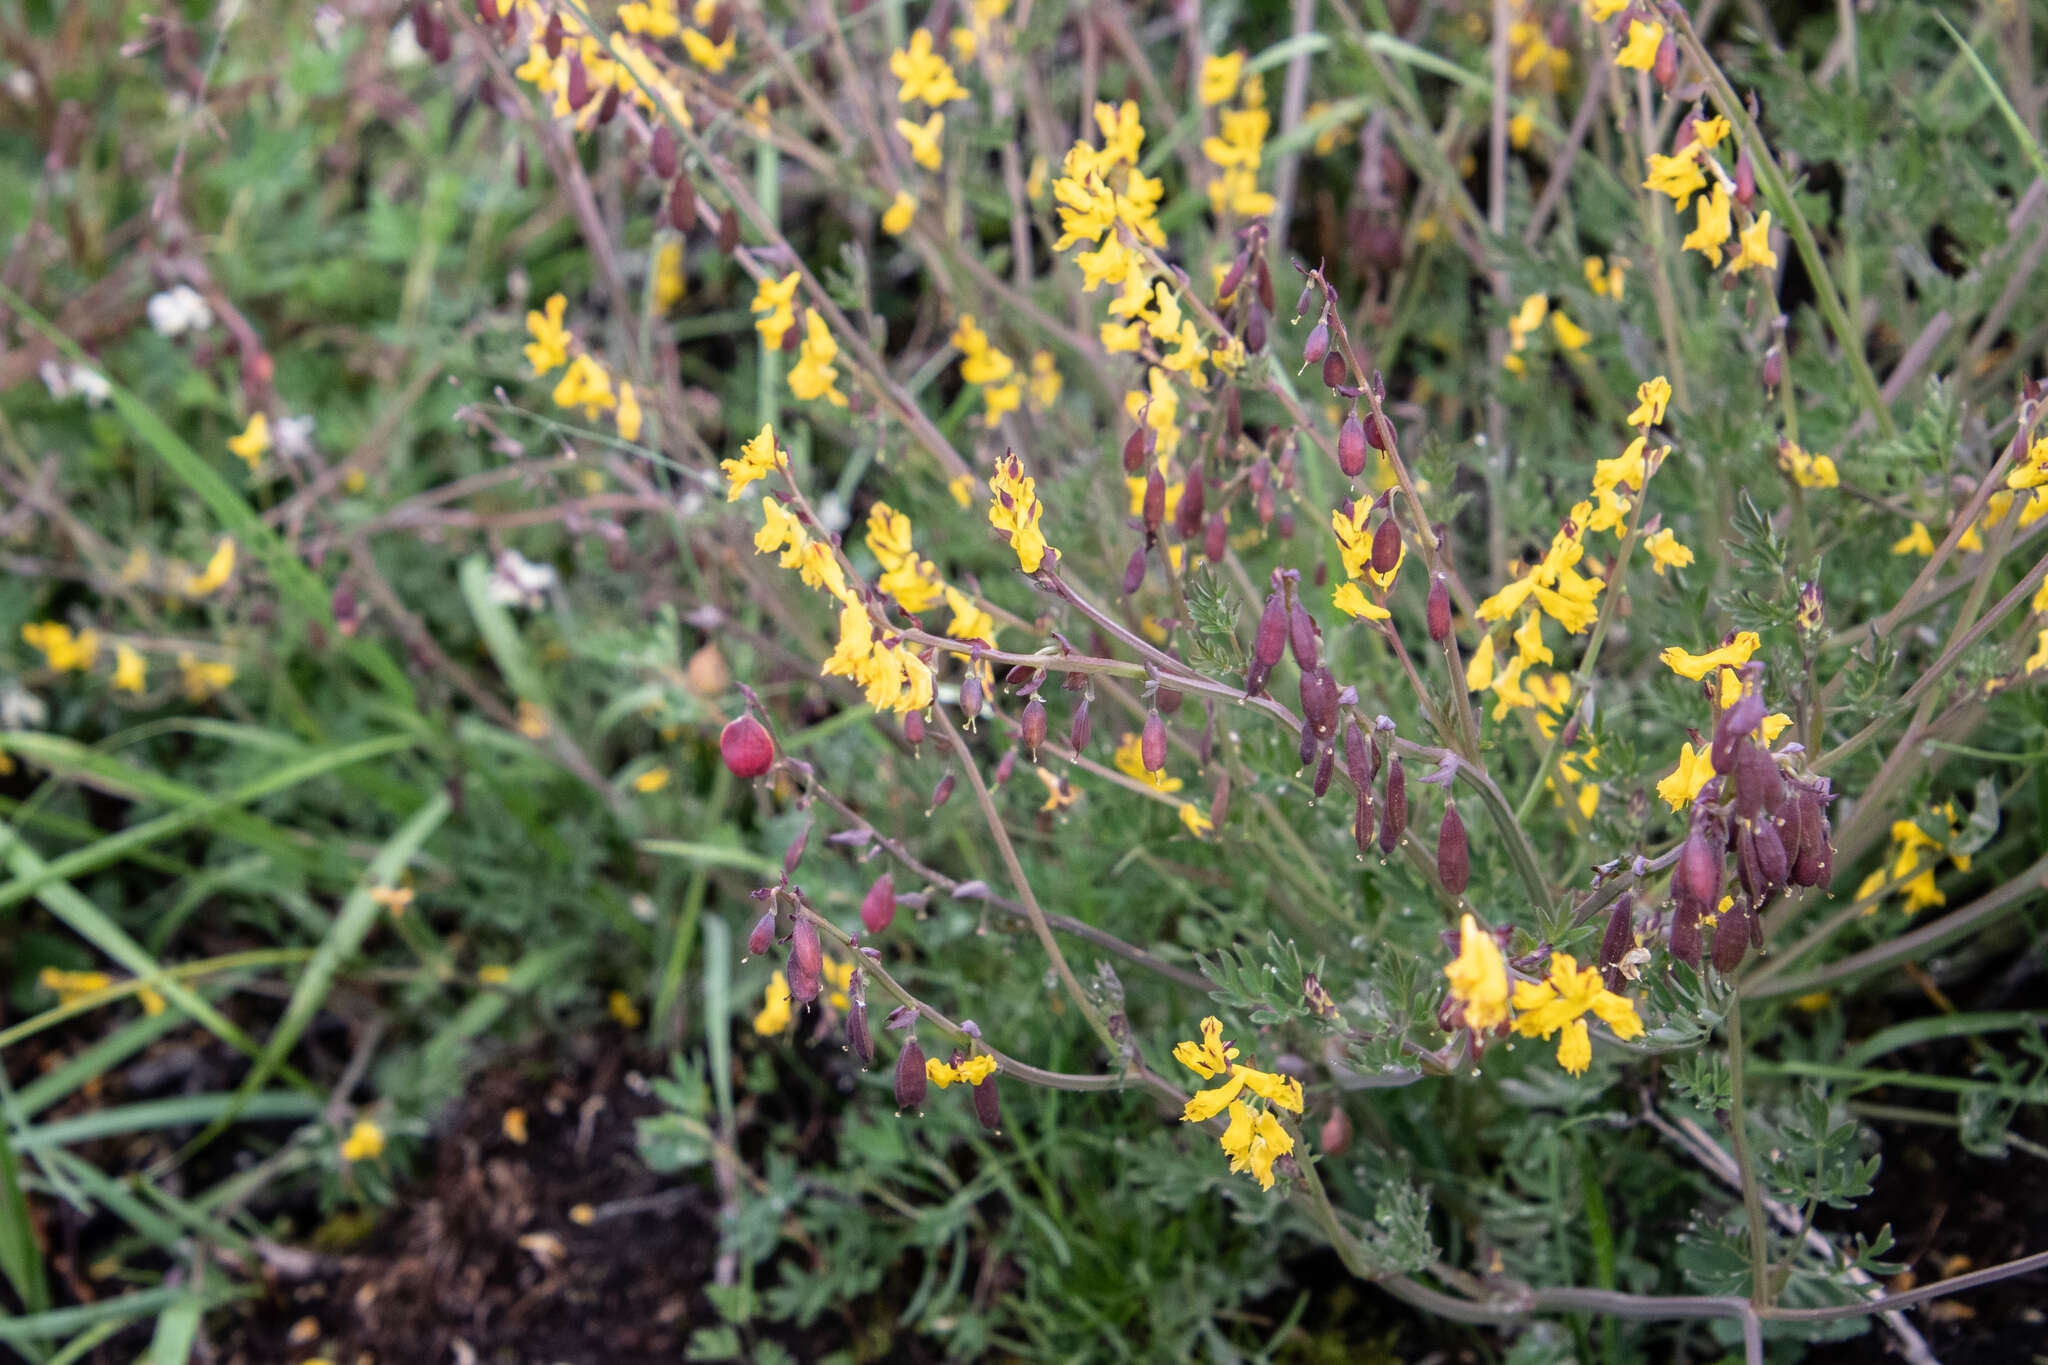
(1745, 179)
(1286, 526)
(1386, 546)
(910, 1078)
(1232, 278)
(422, 23)
(1032, 728)
(1774, 368)
(1187, 518)
(987, 1106)
(1731, 937)
(1233, 413)
(913, 730)
(721, 25)
(1263, 504)
(806, 960)
(941, 793)
(1255, 332)
(579, 91)
(1759, 786)
(1255, 678)
(1685, 935)
(682, 204)
(1154, 506)
(1696, 881)
(487, 11)
(1395, 822)
(1356, 761)
(1351, 446)
(1319, 705)
(607, 108)
(763, 936)
(1219, 804)
(1771, 859)
(1749, 869)
(1271, 641)
(1379, 432)
(1216, 536)
(1335, 1138)
(1438, 612)
(1453, 856)
(970, 696)
(1005, 765)
(878, 907)
(858, 1040)
(661, 152)
(1082, 728)
(1168, 701)
(1134, 571)
(1317, 346)
(1736, 724)
(1335, 370)
(1326, 767)
(1301, 636)
(1308, 743)
(551, 37)
(1361, 821)
(729, 241)
(1152, 743)
(745, 746)
(1136, 447)
(794, 854)
(1665, 69)
(1617, 940)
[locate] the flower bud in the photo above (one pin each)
(1326, 765)
(1154, 506)
(1731, 936)
(1152, 743)
(987, 1107)
(910, 1080)
(1351, 446)
(763, 936)
(661, 151)
(878, 907)
(943, 792)
(1735, 724)
(1617, 940)
(1395, 822)
(858, 1040)
(806, 966)
(1301, 636)
(1216, 537)
(1335, 370)
(1134, 571)
(1386, 546)
(1336, 1135)
(1438, 612)
(1187, 518)
(745, 746)
(1453, 857)
(1032, 727)
(1810, 614)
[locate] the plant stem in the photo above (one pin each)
(1752, 1197)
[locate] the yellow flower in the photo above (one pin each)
(1713, 225)
(1708, 132)
(1529, 646)
(493, 974)
(585, 384)
(896, 220)
(130, 670)
(713, 57)
(396, 899)
(1678, 176)
(1255, 1143)
(1652, 397)
(1521, 128)
(651, 18)
(622, 1009)
(669, 284)
(1756, 246)
(652, 780)
(1914, 542)
(2038, 660)
(1665, 552)
(758, 459)
(254, 441)
(71, 987)
(64, 651)
(1199, 824)
(1350, 600)
(1014, 509)
(774, 1015)
(1808, 471)
(1478, 977)
(216, 573)
(1683, 783)
(1479, 670)
(1696, 666)
(1045, 382)
(1608, 278)
(1220, 76)
(1639, 53)
(629, 416)
(202, 680)
(972, 1071)
(924, 140)
(365, 1142)
(775, 300)
(1059, 793)
(550, 345)
(1570, 335)
(1543, 1008)
(814, 375)
(1130, 761)
(924, 74)
(970, 620)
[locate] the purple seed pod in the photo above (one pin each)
(1005, 765)
(1271, 640)
(941, 793)
(682, 204)
(1395, 822)
(1168, 701)
(1356, 760)
(1032, 728)
(487, 12)
(1453, 856)
(1255, 332)
(1774, 368)
(1326, 767)
(1386, 546)
(1696, 881)
(762, 938)
(1264, 278)
(806, 966)
(1351, 449)
(1317, 346)
(1731, 937)
(1232, 277)
(1216, 536)
(1437, 614)
(1308, 743)
(858, 1040)
(579, 91)
(1745, 179)
(1310, 294)
(729, 242)
(1335, 370)
(913, 730)
(1187, 518)
(1685, 934)
(1736, 724)
(1771, 859)
(1019, 675)
(1617, 940)
(661, 151)
(1665, 69)
(551, 36)
(1152, 743)
(987, 1107)
(1301, 636)
(1319, 700)
(1081, 729)
(1335, 1139)
(1219, 804)
(1759, 786)
(910, 1078)
(1264, 505)
(1134, 571)
(970, 695)
(878, 907)
(1136, 447)
(1379, 431)
(794, 854)
(1154, 506)
(1361, 820)
(720, 27)
(607, 108)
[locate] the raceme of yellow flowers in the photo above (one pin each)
(584, 383)
(1554, 1004)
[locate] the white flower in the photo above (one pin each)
(404, 48)
(54, 379)
(519, 582)
(21, 709)
(178, 310)
(293, 436)
(63, 381)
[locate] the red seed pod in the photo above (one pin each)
(1735, 724)
(1302, 636)
(806, 960)
(1685, 934)
(1136, 447)
(1771, 859)
(1774, 368)
(1082, 728)
(1187, 518)
(745, 746)
(987, 1106)
(1319, 705)
(1336, 1135)
(910, 1078)
(1265, 282)
(729, 241)
(1351, 446)
(1759, 786)
(1665, 69)
(1386, 546)
(1453, 855)
(1395, 822)
(1216, 536)
(1134, 571)
(1286, 526)
(1232, 277)
(1731, 937)
(878, 907)
(1255, 332)
(1617, 940)
(1308, 743)
(551, 36)
(682, 203)
(720, 27)
(1271, 640)
(1032, 728)
(763, 936)
(1317, 346)
(970, 696)
(1361, 821)
(941, 793)
(1152, 743)
(1437, 614)
(1356, 761)
(579, 91)
(1335, 370)
(1154, 506)
(913, 730)
(1745, 179)
(1379, 433)
(1326, 766)
(422, 23)
(1696, 881)
(858, 1040)
(661, 152)
(439, 44)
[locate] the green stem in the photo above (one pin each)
(1752, 1196)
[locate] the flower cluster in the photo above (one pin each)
(1240, 140)
(584, 383)
(1014, 509)
(1557, 1003)
(988, 369)
(1915, 854)
(1255, 1137)
(71, 987)
(1692, 168)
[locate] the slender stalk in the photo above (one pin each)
(1738, 1127)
